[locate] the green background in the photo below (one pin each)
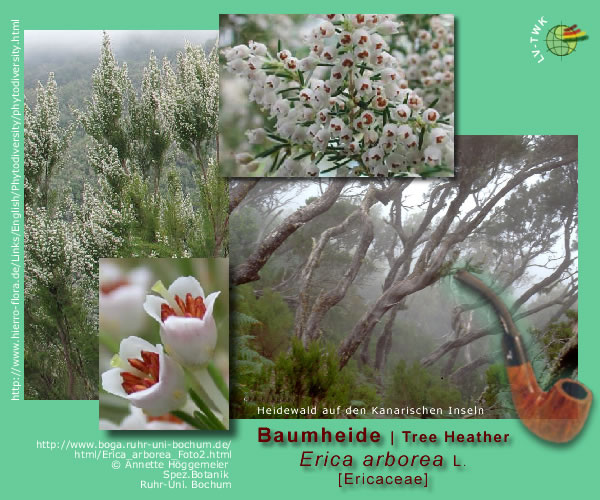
(501, 89)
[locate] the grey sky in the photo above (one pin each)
(83, 41)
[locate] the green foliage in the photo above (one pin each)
(176, 215)
(146, 215)
(297, 377)
(60, 315)
(212, 217)
(556, 335)
(415, 386)
(302, 377)
(249, 364)
(274, 319)
(149, 124)
(496, 397)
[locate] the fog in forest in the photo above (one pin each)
(72, 54)
(363, 271)
(72, 57)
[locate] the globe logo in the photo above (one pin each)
(559, 44)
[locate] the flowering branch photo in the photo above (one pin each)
(368, 95)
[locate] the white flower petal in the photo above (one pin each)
(191, 341)
(121, 311)
(141, 276)
(184, 285)
(107, 425)
(152, 306)
(132, 347)
(157, 425)
(166, 395)
(209, 302)
(109, 273)
(136, 420)
(111, 382)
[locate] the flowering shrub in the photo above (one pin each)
(368, 94)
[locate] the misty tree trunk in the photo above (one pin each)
(248, 270)
(455, 344)
(548, 280)
(564, 308)
(312, 263)
(325, 301)
(466, 370)
(364, 352)
(421, 277)
(384, 342)
(308, 330)
(308, 319)
(459, 327)
(239, 192)
(370, 319)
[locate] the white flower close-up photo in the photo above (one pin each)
(177, 376)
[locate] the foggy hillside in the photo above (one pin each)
(73, 56)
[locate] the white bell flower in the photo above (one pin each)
(187, 327)
(120, 300)
(145, 376)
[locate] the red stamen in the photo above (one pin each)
(165, 418)
(149, 365)
(190, 308)
(166, 311)
(137, 364)
(111, 287)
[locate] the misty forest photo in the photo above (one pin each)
(120, 161)
(343, 291)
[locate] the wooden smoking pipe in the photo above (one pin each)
(557, 415)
